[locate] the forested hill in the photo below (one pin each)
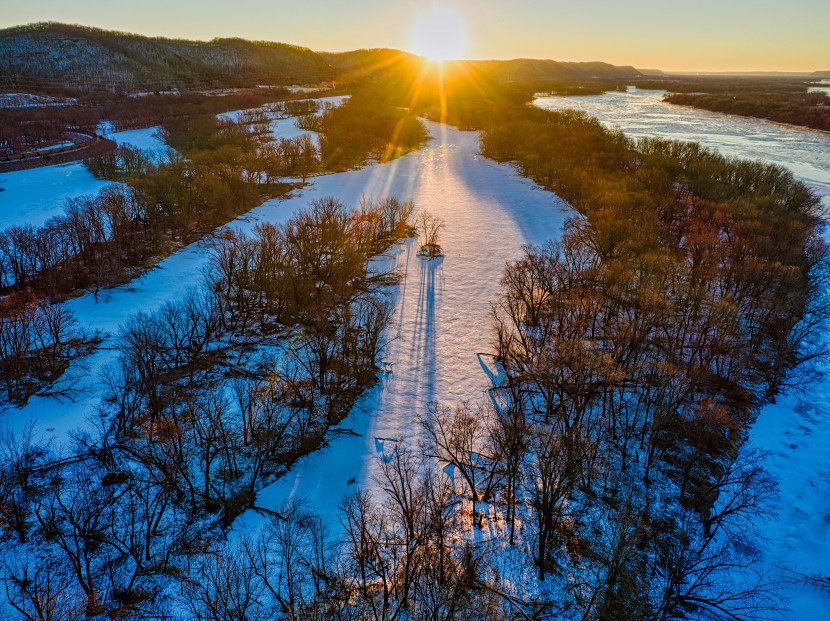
(55, 56)
(80, 59)
(360, 62)
(531, 70)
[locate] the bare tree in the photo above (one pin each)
(428, 227)
(457, 437)
(226, 587)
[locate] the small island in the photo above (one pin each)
(428, 226)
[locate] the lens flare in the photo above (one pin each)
(439, 34)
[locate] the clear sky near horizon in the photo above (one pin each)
(705, 35)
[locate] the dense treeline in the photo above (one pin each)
(32, 127)
(799, 108)
(367, 128)
(725, 84)
(644, 343)
(209, 399)
(82, 59)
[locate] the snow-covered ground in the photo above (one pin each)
(796, 430)
(146, 138)
(442, 318)
(286, 127)
(33, 196)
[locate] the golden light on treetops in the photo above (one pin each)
(439, 34)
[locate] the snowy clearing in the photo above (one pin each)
(33, 196)
(442, 317)
(146, 138)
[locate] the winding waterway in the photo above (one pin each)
(795, 431)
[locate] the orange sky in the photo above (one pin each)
(706, 35)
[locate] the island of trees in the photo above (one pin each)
(802, 108)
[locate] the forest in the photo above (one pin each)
(608, 477)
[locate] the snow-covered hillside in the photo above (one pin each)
(82, 58)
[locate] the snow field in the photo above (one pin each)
(442, 315)
(31, 197)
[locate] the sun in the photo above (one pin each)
(439, 34)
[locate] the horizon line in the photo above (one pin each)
(770, 72)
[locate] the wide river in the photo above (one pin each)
(796, 430)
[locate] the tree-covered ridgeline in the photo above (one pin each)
(804, 109)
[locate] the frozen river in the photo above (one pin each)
(442, 319)
(796, 430)
(644, 113)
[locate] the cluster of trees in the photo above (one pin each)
(301, 107)
(643, 344)
(404, 550)
(37, 344)
(24, 129)
(165, 202)
(209, 399)
(401, 554)
(290, 158)
(798, 108)
(428, 227)
(367, 128)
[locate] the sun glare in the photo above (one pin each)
(439, 34)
